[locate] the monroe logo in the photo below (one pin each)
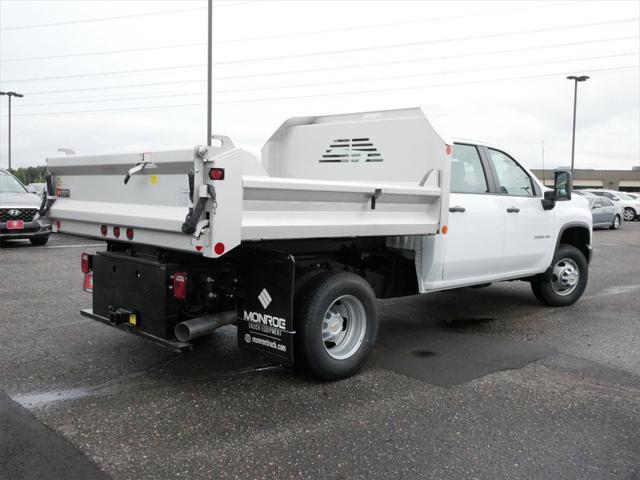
(265, 298)
(264, 319)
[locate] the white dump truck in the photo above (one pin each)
(295, 248)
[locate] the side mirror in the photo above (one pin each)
(549, 200)
(562, 185)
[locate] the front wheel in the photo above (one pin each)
(629, 214)
(566, 282)
(336, 321)
(616, 223)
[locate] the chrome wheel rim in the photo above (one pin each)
(343, 327)
(628, 215)
(565, 277)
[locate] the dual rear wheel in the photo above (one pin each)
(336, 321)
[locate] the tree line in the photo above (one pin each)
(30, 174)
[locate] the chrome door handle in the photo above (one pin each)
(513, 210)
(457, 208)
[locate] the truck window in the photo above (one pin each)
(467, 174)
(513, 179)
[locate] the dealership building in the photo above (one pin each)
(622, 180)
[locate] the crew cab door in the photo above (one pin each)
(528, 234)
(475, 238)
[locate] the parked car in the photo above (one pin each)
(604, 212)
(634, 195)
(36, 188)
(630, 205)
(19, 216)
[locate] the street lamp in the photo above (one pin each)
(10, 94)
(581, 78)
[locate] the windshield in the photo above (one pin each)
(624, 196)
(8, 184)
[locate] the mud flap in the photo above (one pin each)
(265, 313)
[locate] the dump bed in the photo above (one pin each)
(356, 175)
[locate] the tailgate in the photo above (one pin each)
(91, 193)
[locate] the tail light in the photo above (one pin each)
(86, 262)
(130, 233)
(180, 285)
(116, 232)
(103, 230)
(216, 174)
(87, 285)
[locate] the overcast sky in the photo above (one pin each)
(486, 70)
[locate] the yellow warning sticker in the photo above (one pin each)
(133, 320)
(153, 179)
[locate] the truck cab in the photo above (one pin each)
(498, 227)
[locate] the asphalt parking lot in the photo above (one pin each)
(471, 383)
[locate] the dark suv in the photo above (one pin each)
(19, 212)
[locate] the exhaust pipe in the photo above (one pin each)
(197, 327)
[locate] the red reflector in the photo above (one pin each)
(130, 233)
(116, 232)
(103, 230)
(87, 285)
(448, 149)
(86, 263)
(199, 248)
(216, 174)
(58, 224)
(180, 285)
(219, 248)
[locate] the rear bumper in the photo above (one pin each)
(173, 345)
(31, 229)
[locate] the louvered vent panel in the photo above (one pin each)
(343, 150)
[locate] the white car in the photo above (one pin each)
(635, 196)
(20, 212)
(631, 206)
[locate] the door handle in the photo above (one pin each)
(513, 210)
(457, 208)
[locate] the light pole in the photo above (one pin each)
(581, 78)
(10, 94)
(209, 68)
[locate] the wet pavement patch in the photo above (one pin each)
(468, 322)
(447, 357)
(423, 353)
(30, 450)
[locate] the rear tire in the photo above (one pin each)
(566, 282)
(617, 222)
(39, 240)
(336, 322)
